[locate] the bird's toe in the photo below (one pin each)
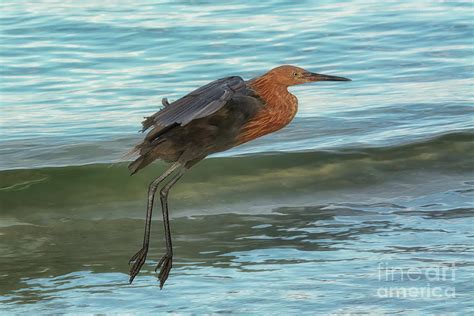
(138, 260)
(165, 264)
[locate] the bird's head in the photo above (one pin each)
(288, 75)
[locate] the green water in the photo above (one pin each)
(239, 236)
(222, 181)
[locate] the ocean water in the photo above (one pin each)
(364, 204)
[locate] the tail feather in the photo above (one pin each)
(139, 163)
(150, 148)
(148, 152)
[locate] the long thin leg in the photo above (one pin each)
(166, 261)
(139, 258)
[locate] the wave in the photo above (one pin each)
(234, 179)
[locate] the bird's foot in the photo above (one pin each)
(138, 260)
(166, 263)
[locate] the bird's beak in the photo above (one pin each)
(311, 76)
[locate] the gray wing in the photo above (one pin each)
(200, 103)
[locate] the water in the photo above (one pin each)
(372, 176)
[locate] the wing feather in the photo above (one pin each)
(201, 102)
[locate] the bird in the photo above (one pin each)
(218, 116)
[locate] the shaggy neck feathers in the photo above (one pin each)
(280, 108)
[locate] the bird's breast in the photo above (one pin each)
(279, 110)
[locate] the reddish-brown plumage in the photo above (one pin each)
(220, 115)
(281, 107)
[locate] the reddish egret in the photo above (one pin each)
(218, 116)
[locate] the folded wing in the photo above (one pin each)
(200, 103)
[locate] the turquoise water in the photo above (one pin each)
(372, 176)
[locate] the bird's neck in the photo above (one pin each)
(279, 101)
(280, 108)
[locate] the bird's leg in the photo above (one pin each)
(166, 262)
(139, 258)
